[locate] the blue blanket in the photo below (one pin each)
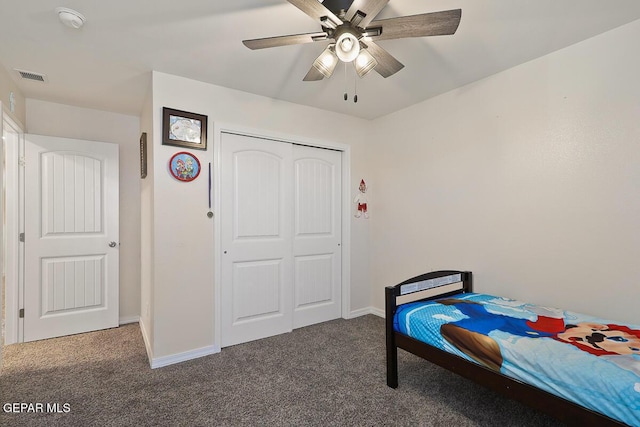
(592, 362)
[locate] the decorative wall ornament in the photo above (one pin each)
(184, 129)
(143, 155)
(361, 201)
(184, 166)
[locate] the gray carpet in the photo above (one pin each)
(327, 374)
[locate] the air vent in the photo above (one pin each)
(30, 75)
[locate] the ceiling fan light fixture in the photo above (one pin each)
(364, 63)
(347, 47)
(326, 62)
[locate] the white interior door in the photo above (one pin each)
(280, 219)
(317, 240)
(71, 236)
(256, 273)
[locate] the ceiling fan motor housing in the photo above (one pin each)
(336, 6)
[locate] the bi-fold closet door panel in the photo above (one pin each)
(280, 237)
(317, 236)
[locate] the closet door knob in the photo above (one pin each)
(112, 244)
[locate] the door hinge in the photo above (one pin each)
(21, 313)
(21, 237)
(21, 161)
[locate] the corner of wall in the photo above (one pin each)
(12, 98)
(147, 341)
(146, 228)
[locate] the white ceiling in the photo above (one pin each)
(106, 64)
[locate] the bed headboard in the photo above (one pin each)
(436, 283)
(432, 280)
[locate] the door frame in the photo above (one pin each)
(218, 130)
(14, 268)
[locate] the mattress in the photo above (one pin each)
(590, 361)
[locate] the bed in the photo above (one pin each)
(577, 368)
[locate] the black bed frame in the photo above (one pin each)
(562, 409)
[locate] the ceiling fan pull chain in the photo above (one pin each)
(355, 88)
(345, 82)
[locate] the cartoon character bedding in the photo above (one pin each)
(592, 362)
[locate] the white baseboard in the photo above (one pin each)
(360, 312)
(147, 342)
(365, 311)
(128, 319)
(159, 362)
(378, 312)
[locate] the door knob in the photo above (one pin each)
(112, 244)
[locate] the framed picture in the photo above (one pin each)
(184, 166)
(184, 129)
(143, 155)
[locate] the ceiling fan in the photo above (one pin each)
(352, 30)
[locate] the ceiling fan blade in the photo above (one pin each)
(387, 64)
(316, 10)
(426, 24)
(313, 75)
(362, 12)
(284, 40)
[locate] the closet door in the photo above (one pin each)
(280, 237)
(317, 235)
(256, 233)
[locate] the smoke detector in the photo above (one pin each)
(71, 18)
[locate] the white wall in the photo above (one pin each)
(529, 178)
(47, 118)
(183, 270)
